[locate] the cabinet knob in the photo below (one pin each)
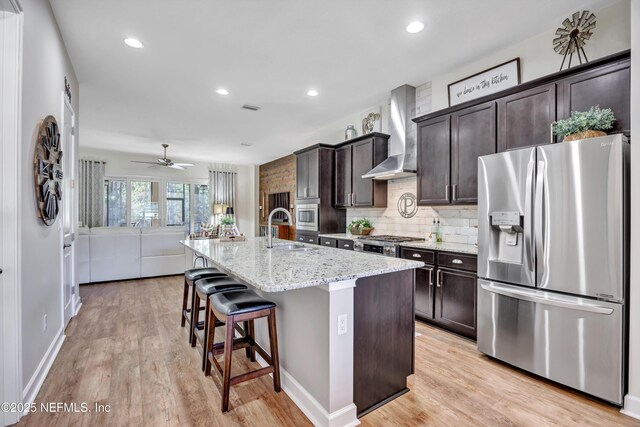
(457, 261)
(416, 256)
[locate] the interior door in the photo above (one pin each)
(580, 216)
(68, 279)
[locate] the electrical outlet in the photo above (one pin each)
(44, 323)
(342, 324)
(466, 223)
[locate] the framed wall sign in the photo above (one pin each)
(486, 82)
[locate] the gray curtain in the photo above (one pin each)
(222, 186)
(91, 185)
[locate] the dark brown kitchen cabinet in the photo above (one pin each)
(425, 294)
(343, 177)
(525, 118)
(328, 242)
(473, 134)
(434, 155)
(355, 159)
(608, 86)
(455, 306)
(307, 175)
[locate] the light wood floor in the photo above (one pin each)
(126, 349)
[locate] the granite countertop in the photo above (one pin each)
(274, 270)
(343, 236)
(444, 246)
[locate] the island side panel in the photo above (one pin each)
(384, 338)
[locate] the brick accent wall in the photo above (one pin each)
(277, 176)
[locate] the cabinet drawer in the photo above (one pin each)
(308, 239)
(328, 242)
(457, 261)
(345, 244)
(428, 257)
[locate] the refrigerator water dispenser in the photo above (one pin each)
(508, 228)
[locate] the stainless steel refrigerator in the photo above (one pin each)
(553, 262)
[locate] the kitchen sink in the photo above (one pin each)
(294, 248)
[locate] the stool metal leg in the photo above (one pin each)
(228, 351)
(273, 347)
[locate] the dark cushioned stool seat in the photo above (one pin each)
(237, 302)
(212, 285)
(198, 273)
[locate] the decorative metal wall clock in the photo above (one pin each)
(48, 170)
(573, 35)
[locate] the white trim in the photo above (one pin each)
(10, 168)
(314, 411)
(33, 386)
(631, 406)
(77, 305)
(337, 286)
(69, 151)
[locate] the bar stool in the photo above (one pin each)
(190, 277)
(204, 288)
(233, 307)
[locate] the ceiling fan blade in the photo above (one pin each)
(184, 164)
(149, 163)
(176, 166)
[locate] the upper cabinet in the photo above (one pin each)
(354, 159)
(608, 87)
(307, 175)
(524, 118)
(451, 140)
(448, 151)
(434, 167)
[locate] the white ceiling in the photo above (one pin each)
(267, 53)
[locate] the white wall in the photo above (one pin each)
(632, 401)
(119, 164)
(537, 57)
(45, 65)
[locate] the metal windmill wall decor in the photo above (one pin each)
(573, 35)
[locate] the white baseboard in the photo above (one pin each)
(344, 417)
(33, 387)
(77, 303)
(631, 406)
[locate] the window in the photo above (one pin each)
(177, 204)
(201, 206)
(145, 197)
(115, 203)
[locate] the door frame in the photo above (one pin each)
(10, 299)
(69, 150)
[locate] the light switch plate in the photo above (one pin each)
(342, 324)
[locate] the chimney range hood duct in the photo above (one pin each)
(402, 160)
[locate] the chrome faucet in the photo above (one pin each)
(269, 233)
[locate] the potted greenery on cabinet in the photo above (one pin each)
(585, 124)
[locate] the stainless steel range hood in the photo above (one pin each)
(402, 160)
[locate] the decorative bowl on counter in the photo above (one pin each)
(357, 231)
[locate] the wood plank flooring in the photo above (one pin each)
(126, 349)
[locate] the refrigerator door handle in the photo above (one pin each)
(528, 217)
(539, 222)
(531, 296)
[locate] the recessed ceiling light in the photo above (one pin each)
(312, 92)
(415, 27)
(222, 92)
(134, 43)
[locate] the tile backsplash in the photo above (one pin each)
(458, 224)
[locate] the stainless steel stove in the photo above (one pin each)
(384, 244)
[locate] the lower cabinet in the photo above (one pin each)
(306, 238)
(455, 301)
(425, 292)
(328, 242)
(446, 296)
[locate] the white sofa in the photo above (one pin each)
(106, 253)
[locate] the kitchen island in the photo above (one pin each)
(345, 321)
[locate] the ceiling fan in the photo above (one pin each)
(164, 161)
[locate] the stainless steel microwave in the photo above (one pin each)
(307, 217)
